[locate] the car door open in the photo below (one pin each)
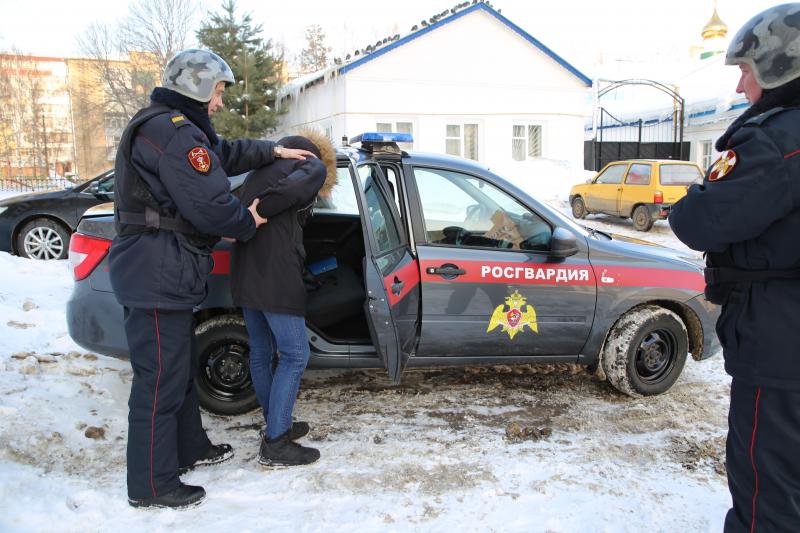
(391, 273)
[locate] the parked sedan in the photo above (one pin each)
(421, 260)
(38, 225)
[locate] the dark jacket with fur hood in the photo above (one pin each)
(267, 270)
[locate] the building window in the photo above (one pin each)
(706, 151)
(397, 127)
(462, 140)
(526, 141)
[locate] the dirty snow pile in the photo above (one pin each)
(505, 448)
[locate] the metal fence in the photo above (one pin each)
(28, 184)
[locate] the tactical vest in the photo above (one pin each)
(135, 208)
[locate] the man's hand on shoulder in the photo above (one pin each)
(258, 219)
(291, 153)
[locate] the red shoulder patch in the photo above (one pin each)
(199, 159)
(727, 160)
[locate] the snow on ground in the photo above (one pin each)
(437, 453)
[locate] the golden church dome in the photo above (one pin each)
(715, 27)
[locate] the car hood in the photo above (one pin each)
(645, 249)
(43, 195)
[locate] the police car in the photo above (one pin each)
(423, 260)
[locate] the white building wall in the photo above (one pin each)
(474, 69)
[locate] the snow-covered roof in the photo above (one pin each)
(371, 52)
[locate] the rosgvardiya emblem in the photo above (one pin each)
(516, 318)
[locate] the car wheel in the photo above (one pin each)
(642, 219)
(645, 351)
(223, 379)
(578, 207)
(42, 238)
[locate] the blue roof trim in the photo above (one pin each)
(419, 33)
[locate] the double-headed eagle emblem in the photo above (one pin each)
(516, 318)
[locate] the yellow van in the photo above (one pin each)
(641, 189)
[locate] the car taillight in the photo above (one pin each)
(85, 253)
(658, 197)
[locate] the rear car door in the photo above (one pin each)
(391, 273)
(490, 285)
(636, 189)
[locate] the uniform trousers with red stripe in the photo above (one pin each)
(165, 431)
(763, 459)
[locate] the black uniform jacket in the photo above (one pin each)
(165, 269)
(750, 219)
(267, 270)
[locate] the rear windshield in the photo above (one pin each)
(680, 175)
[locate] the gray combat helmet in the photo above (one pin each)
(770, 44)
(195, 73)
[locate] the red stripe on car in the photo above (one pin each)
(408, 275)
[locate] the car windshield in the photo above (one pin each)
(680, 175)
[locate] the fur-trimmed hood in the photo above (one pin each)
(318, 144)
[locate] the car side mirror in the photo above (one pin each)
(563, 243)
(94, 188)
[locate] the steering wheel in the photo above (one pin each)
(454, 234)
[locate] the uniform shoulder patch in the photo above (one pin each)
(727, 160)
(179, 120)
(199, 159)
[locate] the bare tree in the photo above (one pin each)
(129, 56)
(22, 127)
(160, 27)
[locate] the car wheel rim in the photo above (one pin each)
(43, 243)
(577, 209)
(655, 355)
(226, 372)
(641, 218)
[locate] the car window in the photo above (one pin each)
(387, 236)
(342, 198)
(612, 174)
(676, 174)
(638, 174)
(106, 185)
(463, 210)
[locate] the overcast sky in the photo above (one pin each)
(578, 30)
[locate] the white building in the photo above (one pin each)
(470, 83)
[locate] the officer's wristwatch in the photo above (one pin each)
(277, 151)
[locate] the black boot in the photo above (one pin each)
(283, 451)
(183, 497)
(217, 453)
(297, 431)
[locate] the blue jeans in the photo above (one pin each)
(276, 390)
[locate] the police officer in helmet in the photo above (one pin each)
(172, 204)
(746, 217)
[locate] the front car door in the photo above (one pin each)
(489, 284)
(391, 273)
(604, 192)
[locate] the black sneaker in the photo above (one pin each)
(217, 453)
(283, 451)
(183, 497)
(297, 431)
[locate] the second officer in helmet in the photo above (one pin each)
(172, 204)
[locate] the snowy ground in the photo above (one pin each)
(430, 455)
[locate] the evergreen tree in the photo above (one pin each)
(315, 55)
(249, 103)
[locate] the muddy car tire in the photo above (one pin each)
(44, 239)
(642, 219)
(578, 208)
(223, 380)
(645, 351)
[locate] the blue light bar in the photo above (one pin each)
(378, 136)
